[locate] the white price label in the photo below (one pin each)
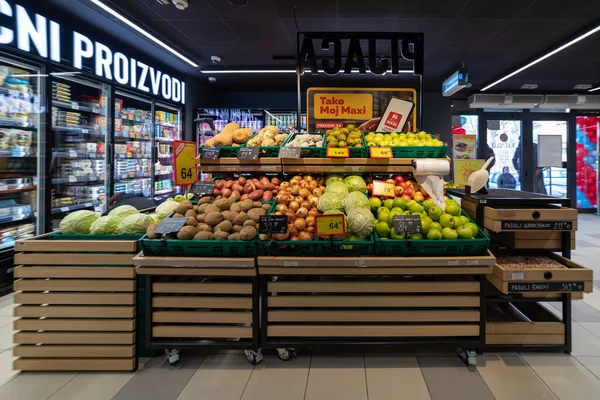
(64, 209)
(452, 262)
(72, 179)
(74, 105)
(519, 275)
(72, 153)
(83, 130)
(472, 262)
(290, 263)
(360, 263)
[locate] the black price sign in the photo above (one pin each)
(273, 224)
(170, 225)
(290, 152)
(210, 153)
(546, 287)
(248, 153)
(407, 224)
(202, 188)
(537, 225)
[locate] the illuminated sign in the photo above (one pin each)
(456, 82)
(42, 36)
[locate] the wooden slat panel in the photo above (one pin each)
(526, 214)
(51, 324)
(74, 272)
(327, 263)
(202, 287)
(86, 246)
(74, 285)
(194, 262)
(375, 271)
(373, 301)
(196, 271)
(74, 338)
(74, 312)
(371, 330)
(374, 287)
(574, 296)
(212, 317)
(73, 259)
(524, 339)
(525, 328)
(372, 316)
(185, 331)
(74, 364)
(58, 351)
(537, 275)
(201, 302)
(74, 298)
(496, 226)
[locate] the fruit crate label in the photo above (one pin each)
(290, 152)
(338, 152)
(248, 153)
(170, 225)
(546, 287)
(330, 225)
(202, 188)
(537, 225)
(381, 188)
(407, 224)
(381, 152)
(273, 224)
(210, 153)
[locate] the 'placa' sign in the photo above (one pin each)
(290, 152)
(248, 153)
(273, 224)
(407, 224)
(385, 189)
(170, 225)
(201, 189)
(338, 152)
(536, 225)
(330, 225)
(185, 162)
(381, 152)
(210, 153)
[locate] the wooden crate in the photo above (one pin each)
(524, 240)
(76, 304)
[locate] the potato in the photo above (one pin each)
(240, 218)
(191, 221)
(200, 217)
(256, 195)
(257, 204)
(256, 213)
(221, 235)
(211, 208)
(202, 208)
(226, 226)
(213, 218)
(237, 228)
(186, 203)
(204, 200)
(234, 236)
(150, 232)
(235, 207)
(251, 223)
(203, 235)
(187, 233)
(267, 195)
(204, 227)
(229, 215)
(266, 207)
(247, 205)
(182, 208)
(248, 233)
(177, 215)
(195, 208)
(190, 213)
(224, 204)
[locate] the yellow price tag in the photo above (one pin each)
(381, 152)
(338, 152)
(381, 188)
(330, 225)
(185, 162)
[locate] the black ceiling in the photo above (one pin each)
(490, 36)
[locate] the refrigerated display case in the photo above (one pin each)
(79, 129)
(286, 121)
(132, 145)
(167, 128)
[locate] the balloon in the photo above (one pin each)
(585, 203)
(589, 159)
(463, 120)
(590, 146)
(580, 196)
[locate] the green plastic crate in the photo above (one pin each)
(413, 151)
(340, 248)
(267, 151)
(226, 151)
(286, 248)
(355, 152)
(72, 236)
(308, 152)
(198, 248)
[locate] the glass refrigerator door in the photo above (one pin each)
(79, 128)
(19, 136)
(133, 145)
(167, 128)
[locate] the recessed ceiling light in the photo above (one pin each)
(582, 86)
(529, 86)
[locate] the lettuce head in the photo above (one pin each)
(135, 224)
(356, 183)
(331, 201)
(78, 222)
(106, 225)
(123, 211)
(356, 200)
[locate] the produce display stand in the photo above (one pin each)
(200, 302)
(76, 303)
(529, 224)
(310, 302)
(231, 164)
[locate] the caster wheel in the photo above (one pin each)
(254, 357)
(472, 361)
(172, 356)
(286, 354)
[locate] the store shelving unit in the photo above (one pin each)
(167, 129)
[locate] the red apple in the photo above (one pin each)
(398, 179)
(410, 192)
(389, 181)
(403, 185)
(398, 191)
(418, 197)
(407, 197)
(370, 187)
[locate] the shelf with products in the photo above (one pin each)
(71, 208)
(93, 108)
(71, 179)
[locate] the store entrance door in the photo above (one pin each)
(549, 171)
(504, 143)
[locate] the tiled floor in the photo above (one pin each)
(420, 374)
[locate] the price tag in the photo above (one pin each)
(381, 152)
(273, 224)
(290, 152)
(75, 105)
(202, 188)
(84, 130)
(64, 209)
(338, 152)
(248, 153)
(72, 179)
(381, 188)
(407, 224)
(210, 153)
(170, 225)
(72, 153)
(185, 162)
(330, 225)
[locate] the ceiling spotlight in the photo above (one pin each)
(215, 59)
(180, 4)
(582, 86)
(529, 86)
(238, 3)
(212, 79)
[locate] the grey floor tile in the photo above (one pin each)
(585, 343)
(336, 377)
(509, 377)
(35, 385)
(580, 311)
(592, 327)
(389, 375)
(160, 381)
(274, 379)
(583, 243)
(6, 371)
(591, 363)
(448, 378)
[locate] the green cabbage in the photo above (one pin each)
(156, 218)
(330, 201)
(361, 222)
(105, 225)
(338, 188)
(356, 183)
(135, 224)
(356, 200)
(166, 208)
(333, 178)
(78, 222)
(123, 211)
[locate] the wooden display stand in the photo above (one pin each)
(76, 301)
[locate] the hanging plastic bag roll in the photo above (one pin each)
(429, 173)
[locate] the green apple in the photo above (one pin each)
(457, 221)
(383, 216)
(400, 202)
(449, 233)
(416, 208)
(397, 236)
(436, 226)
(416, 236)
(464, 232)
(178, 198)
(391, 216)
(427, 204)
(452, 208)
(397, 209)
(435, 213)
(382, 229)
(410, 203)
(375, 203)
(447, 221)
(434, 234)
(381, 209)
(473, 228)
(389, 204)
(464, 220)
(426, 223)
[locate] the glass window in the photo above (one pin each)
(504, 141)
(587, 161)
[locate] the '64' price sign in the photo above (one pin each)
(330, 225)
(185, 162)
